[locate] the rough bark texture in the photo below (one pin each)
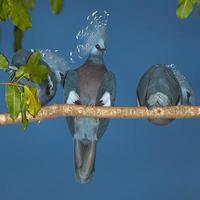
(62, 110)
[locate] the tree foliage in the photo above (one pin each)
(18, 12)
(22, 98)
(185, 8)
(33, 70)
(56, 6)
(3, 61)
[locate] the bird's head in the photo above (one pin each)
(99, 48)
(91, 39)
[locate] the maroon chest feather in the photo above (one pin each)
(90, 78)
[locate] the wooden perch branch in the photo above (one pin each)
(62, 110)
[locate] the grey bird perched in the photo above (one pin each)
(163, 85)
(89, 84)
(47, 89)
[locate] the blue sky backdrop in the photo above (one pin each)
(135, 159)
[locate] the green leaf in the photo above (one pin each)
(199, 10)
(3, 62)
(34, 58)
(31, 100)
(29, 4)
(13, 100)
(18, 36)
(56, 6)
(23, 111)
(20, 72)
(19, 14)
(198, 3)
(4, 10)
(184, 8)
(33, 70)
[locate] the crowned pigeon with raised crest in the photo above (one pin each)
(89, 84)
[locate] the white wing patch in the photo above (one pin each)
(106, 99)
(73, 97)
(50, 82)
(138, 103)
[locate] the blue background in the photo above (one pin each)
(135, 159)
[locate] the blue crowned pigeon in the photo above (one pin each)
(163, 85)
(89, 84)
(47, 89)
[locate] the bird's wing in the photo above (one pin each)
(108, 85)
(106, 95)
(174, 90)
(21, 57)
(143, 86)
(71, 94)
(187, 93)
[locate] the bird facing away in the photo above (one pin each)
(89, 84)
(163, 85)
(47, 89)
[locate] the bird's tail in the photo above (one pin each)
(158, 99)
(84, 158)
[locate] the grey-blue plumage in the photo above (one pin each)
(45, 90)
(56, 63)
(163, 85)
(89, 84)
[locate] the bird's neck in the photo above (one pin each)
(96, 57)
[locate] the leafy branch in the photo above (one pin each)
(18, 12)
(22, 98)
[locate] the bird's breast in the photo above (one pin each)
(90, 79)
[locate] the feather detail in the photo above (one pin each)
(56, 63)
(73, 97)
(87, 38)
(186, 88)
(106, 99)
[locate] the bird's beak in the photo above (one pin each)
(101, 49)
